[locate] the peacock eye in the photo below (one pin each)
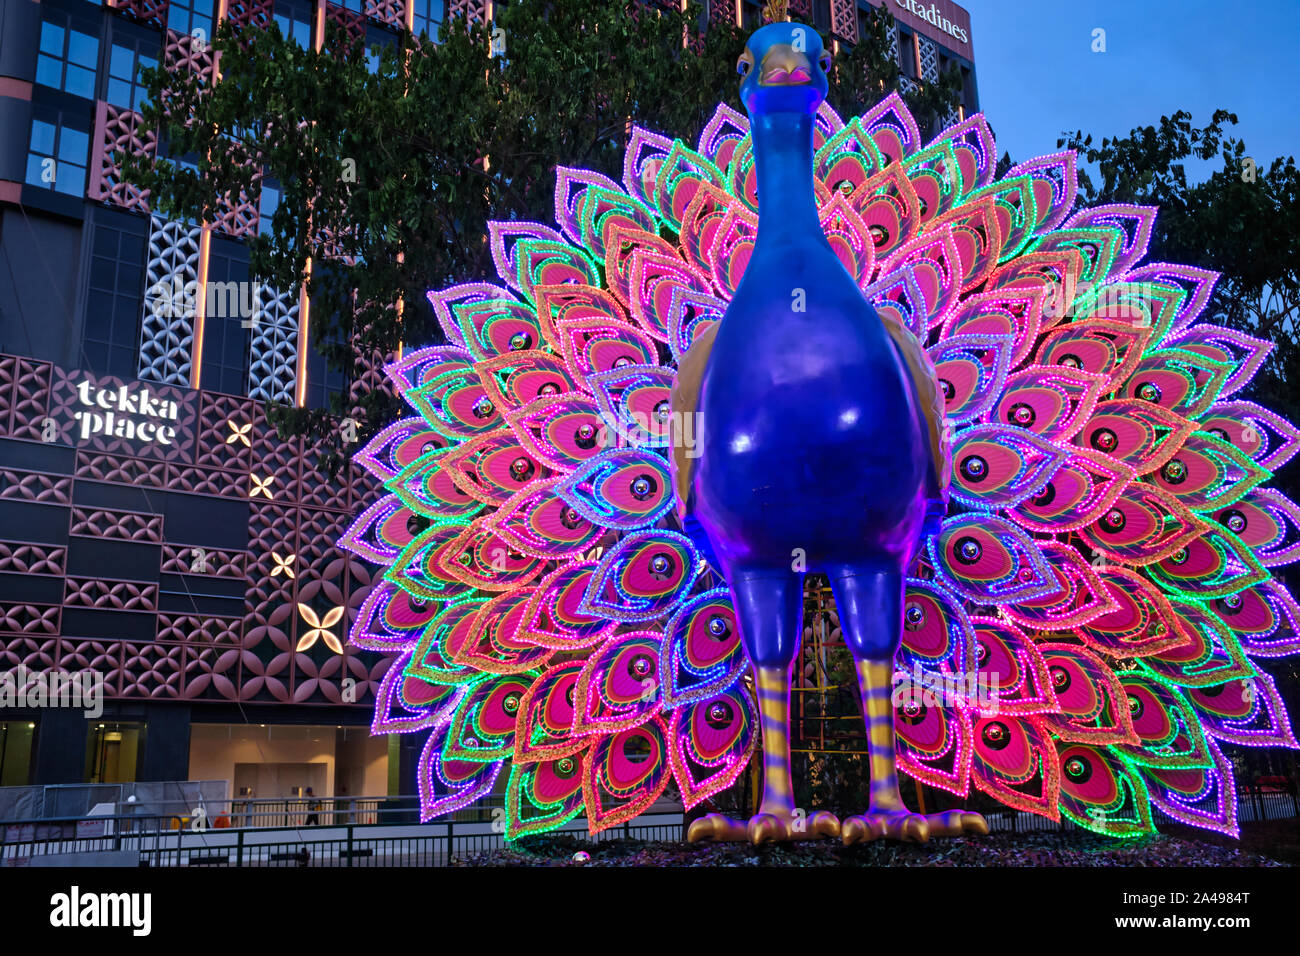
(745, 63)
(825, 62)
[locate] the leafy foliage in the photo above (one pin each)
(391, 166)
(1242, 221)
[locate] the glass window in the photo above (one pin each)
(295, 21)
(113, 752)
(67, 59)
(126, 66)
(376, 38)
(822, 15)
(114, 299)
(907, 54)
(186, 16)
(226, 342)
(16, 738)
(57, 157)
(267, 205)
(322, 381)
(429, 15)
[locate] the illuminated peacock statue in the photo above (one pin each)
(1011, 446)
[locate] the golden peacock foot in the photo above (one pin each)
(908, 827)
(764, 828)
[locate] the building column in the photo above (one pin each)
(60, 746)
(166, 743)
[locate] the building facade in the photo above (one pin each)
(153, 528)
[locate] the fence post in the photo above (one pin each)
(349, 844)
(451, 845)
(239, 849)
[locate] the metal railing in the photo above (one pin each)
(157, 842)
(378, 831)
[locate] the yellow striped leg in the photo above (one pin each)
(777, 818)
(773, 684)
(875, 682)
(887, 816)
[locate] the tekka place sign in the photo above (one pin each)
(132, 413)
(122, 416)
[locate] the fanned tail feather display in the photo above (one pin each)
(1105, 561)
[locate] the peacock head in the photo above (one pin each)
(783, 70)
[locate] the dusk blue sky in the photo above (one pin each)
(1037, 73)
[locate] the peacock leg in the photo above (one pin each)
(769, 610)
(870, 605)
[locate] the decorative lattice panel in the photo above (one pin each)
(117, 525)
(202, 561)
(274, 363)
(189, 628)
(929, 59)
(171, 285)
(893, 46)
(205, 481)
(907, 84)
(226, 432)
(332, 246)
(391, 12)
(844, 20)
(351, 22)
(28, 619)
(473, 10)
(183, 53)
(35, 487)
(21, 558)
(110, 595)
(279, 635)
(238, 218)
(152, 12)
(24, 396)
(722, 12)
(251, 13)
(121, 470)
(118, 130)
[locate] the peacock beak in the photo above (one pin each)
(785, 66)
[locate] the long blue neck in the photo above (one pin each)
(787, 205)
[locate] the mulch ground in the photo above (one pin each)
(1267, 844)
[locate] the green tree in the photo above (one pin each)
(392, 165)
(1242, 220)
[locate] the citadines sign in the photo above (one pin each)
(942, 21)
(130, 412)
